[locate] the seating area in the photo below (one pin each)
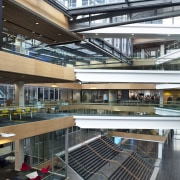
(91, 157)
(15, 112)
(34, 174)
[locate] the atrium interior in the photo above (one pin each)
(103, 71)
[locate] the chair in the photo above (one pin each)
(18, 111)
(45, 170)
(25, 167)
(4, 112)
(27, 110)
(56, 108)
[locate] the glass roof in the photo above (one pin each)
(84, 3)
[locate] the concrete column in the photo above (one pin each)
(161, 100)
(142, 54)
(160, 145)
(162, 50)
(160, 149)
(19, 93)
(66, 146)
(19, 154)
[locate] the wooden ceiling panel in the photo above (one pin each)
(12, 78)
(22, 21)
(17, 20)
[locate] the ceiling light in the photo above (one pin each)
(54, 85)
(3, 6)
(37, 23)
(59, 34)
(7, 134)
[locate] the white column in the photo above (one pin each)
(160, 149)
(162, 50)
(142, 54)
(19, 154)
(161, 100)
(19, 93)
(160, 145)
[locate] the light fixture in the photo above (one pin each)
(37, 23)
(54, 85)
(7, 134)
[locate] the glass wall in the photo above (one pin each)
(48, 148)
(120, 96)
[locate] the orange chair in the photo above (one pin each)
(25, 167)
(45, 170)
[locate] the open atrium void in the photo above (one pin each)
(82, 74)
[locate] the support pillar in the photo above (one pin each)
(19, 93)
(160, 145)
(161, 100)
(142, 54)
(66, 146)
(162, 50)
(19, 154)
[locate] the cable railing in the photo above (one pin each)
(120, 151)
(82, 167)
(141, 152)
(113, 161)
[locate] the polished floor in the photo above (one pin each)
(170, 165)
(169, 169)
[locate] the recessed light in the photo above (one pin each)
(37, 23)
(59, 34)
(3, 6)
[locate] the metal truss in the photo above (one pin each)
(110, 50)
(127, 12)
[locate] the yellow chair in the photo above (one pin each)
(27, 110)
(4, 112)
(18, 111)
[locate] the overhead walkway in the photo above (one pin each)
(136, 31)
(127, 76)
(127, 122)
(167, 58)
